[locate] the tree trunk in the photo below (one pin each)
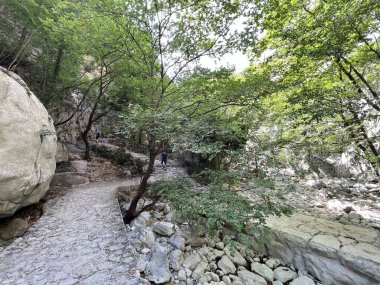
(132, 211)
(357, 86)
(58, 61)
(374, 162)
(359, 142)
(367, 43)
(361, 77)
(87, 144)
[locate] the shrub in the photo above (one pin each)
(216, 206)
(121, 157)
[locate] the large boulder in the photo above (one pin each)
(157, 269)
(28, 145)
(62, 154)
(68, 179)
(16, 227)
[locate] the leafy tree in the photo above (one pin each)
(221, 209)
(41, 47)
(324, 62)
(75, 58)
(167, 39)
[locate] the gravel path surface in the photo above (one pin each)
(80, 239)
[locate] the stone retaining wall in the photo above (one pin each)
(332, 252)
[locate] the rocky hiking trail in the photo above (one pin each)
(81, 239)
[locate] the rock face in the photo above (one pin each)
(17, 227)
(69, 179)
(62, 154)
(332, 252)
(28, 145)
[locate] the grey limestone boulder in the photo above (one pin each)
(163, 228)
(207, 253)
(79, 166)
(199, 270)
(62, 154)
(182, 275)
(249, 278)
(157, 269)
(16, 227)
(284, 274)
(176, 259)
(226, 265)
(211, 276)
(68, 179)
(28, 144)
(177, 241)
(263, 271)
(235, 256)
(142, 220)
(141, 237)
(191, 261)
(271, 263)
(303, 280)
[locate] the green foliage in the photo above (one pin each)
(161, 126)
(323, 61)
(120, 156)
(217, 207)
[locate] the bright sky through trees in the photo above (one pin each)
(237, 59)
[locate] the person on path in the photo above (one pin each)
(164, 159)
(97, 136)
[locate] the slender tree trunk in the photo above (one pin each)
(375, 163)
(58, 61)
(361, 77)
(87, 144)
(357, 86)
(367, 43)
(359, 142)
(91, 119)
(132, 211)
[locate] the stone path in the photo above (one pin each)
(80, 239)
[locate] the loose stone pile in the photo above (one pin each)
(172, 253)
(342, 200)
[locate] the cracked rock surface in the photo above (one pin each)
(333, 252)
(28, 145)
